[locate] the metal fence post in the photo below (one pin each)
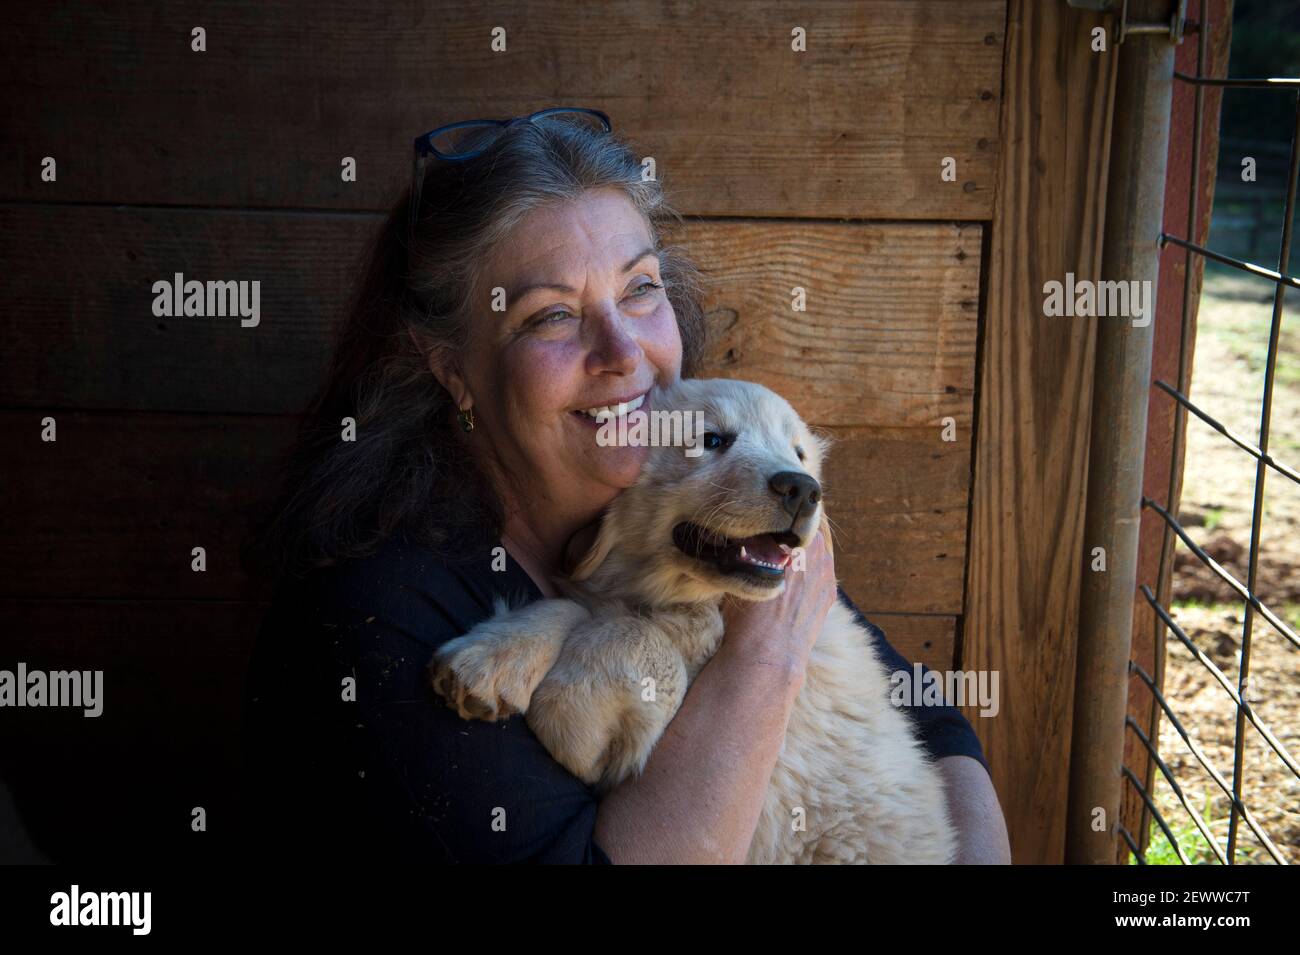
(1131, 253)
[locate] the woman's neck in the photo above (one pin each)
(538, 528)
(539, 545)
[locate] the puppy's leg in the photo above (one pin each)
(604, 705)
(491, 672)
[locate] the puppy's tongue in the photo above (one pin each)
(762, 548)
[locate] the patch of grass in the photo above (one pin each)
(1192, 841)
(1213, 518)
(1187, 836)
(1247, 338)
(1191, 603)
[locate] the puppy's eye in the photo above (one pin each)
(714, 441)
(799, 451)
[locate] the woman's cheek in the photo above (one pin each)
(542, 375)
(664, 342)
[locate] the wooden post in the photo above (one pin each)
(1035, 400)
(1134, 213)
(1148, 645)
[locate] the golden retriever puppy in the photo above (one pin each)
(599, 673)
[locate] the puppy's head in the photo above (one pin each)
(720, 517)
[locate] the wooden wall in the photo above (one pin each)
(819, 169)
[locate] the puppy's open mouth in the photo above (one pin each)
(761, 558)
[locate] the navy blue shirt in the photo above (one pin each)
(349, 754)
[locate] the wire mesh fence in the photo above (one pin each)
(1237, 692)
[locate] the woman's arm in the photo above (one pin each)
(700, 796)
(975, 812)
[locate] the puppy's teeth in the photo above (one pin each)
(785, 547)
(743, 555)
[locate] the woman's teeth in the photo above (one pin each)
(612, 411)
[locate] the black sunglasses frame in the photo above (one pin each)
(424, 148)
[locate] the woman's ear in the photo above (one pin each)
(445, 365)
(588, 548)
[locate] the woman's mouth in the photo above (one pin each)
(602, 413)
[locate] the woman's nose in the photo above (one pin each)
(613, 349)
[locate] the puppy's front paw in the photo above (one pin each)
(480, 679)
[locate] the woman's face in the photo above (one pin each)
(586, 325)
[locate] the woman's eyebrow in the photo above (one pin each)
(649, 250)
(516, 294)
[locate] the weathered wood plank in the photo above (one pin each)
(899, 507)
(81, 278)
(115, 506)
(1027, 507)
(888, 338)
(737, 122)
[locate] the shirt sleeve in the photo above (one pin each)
(388, 772)
(943, 729)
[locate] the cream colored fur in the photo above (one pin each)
(600, 673)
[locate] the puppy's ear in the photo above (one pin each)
(822, 440)
(588, 548)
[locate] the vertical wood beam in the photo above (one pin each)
(1033, 411)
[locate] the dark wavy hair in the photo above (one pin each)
(409, 470)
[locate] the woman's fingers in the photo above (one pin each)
(795, 617)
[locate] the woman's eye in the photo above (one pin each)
(644, 289)
(548, 318)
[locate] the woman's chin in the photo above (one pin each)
(619, 467)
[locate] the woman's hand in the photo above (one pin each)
(782, 631)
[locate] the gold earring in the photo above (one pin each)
(466, 418)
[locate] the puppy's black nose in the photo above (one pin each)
(795, 489)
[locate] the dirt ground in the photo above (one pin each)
(1217, 501)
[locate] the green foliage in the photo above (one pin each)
(1190, 839)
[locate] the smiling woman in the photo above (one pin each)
(533, 302)
(536, 260)
(589, 328)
